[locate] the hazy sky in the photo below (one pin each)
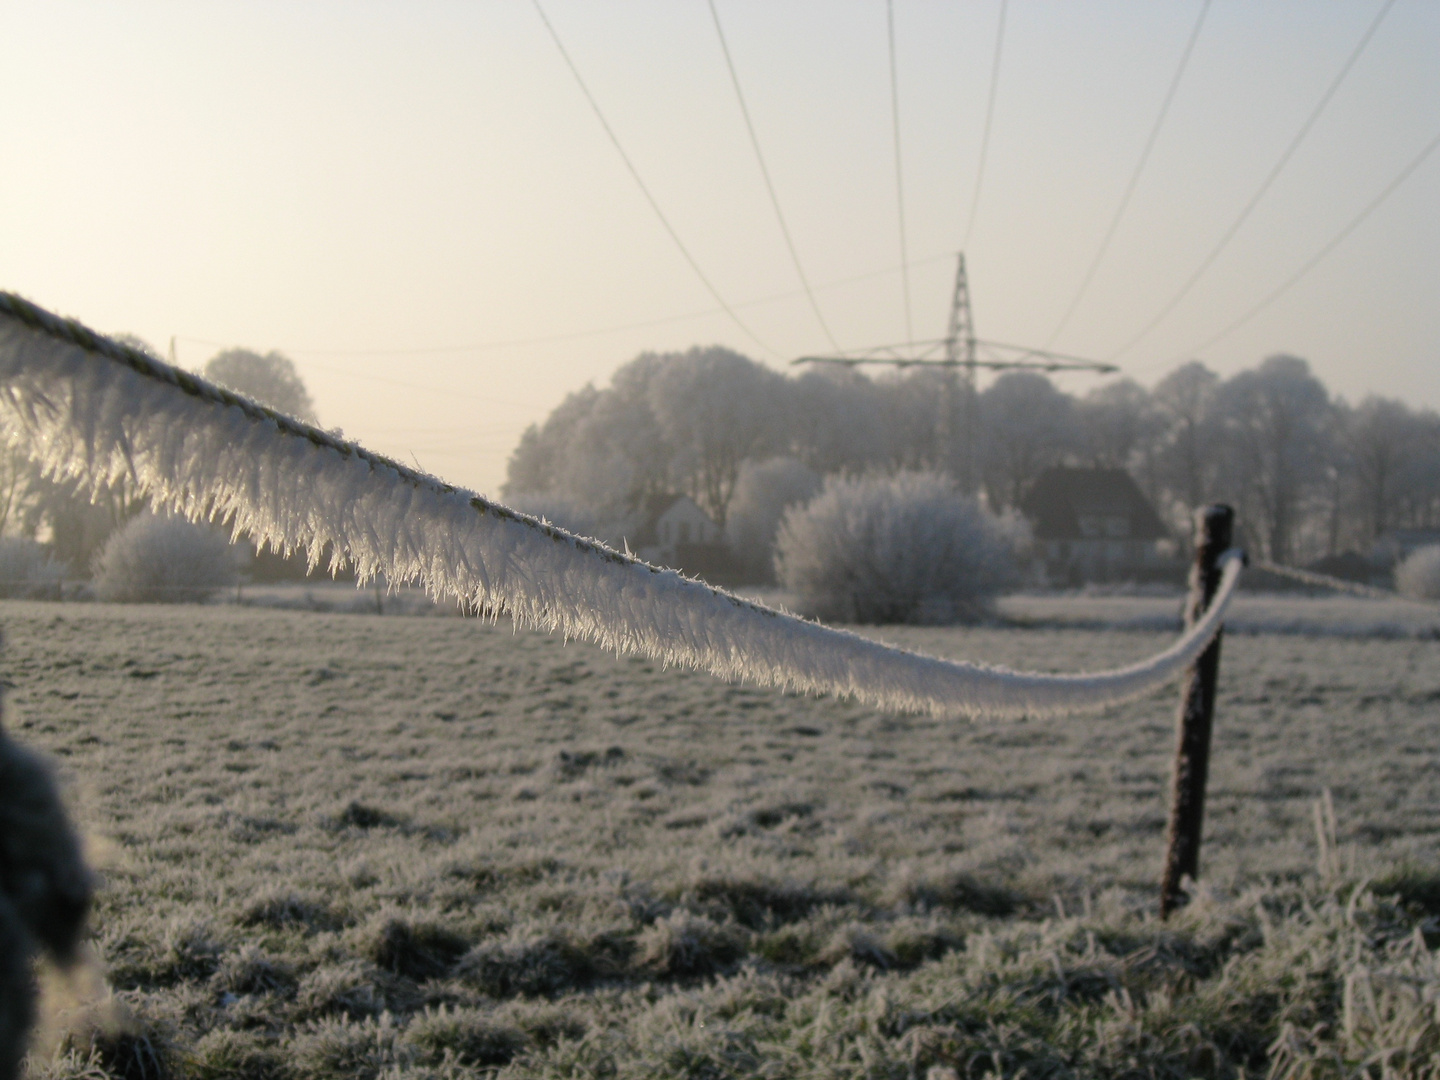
(416, 203)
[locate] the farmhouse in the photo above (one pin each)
(675, 532)
(1095, 525)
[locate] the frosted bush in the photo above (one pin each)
(1418, 577)
(164, 560)
(26, 570)
(901, 549)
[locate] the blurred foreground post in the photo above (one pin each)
(1213, 527)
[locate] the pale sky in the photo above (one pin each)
(416, 203)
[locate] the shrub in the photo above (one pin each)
(27, 572)
(1418, 577)
(163, 560)
(901, 549)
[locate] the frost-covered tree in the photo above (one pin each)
(1027, 425)
(270, 379)
(765, 490)
(1186, 446)
(907, 548)
(1275, 422)
(1386, 444)
(716, 409)
(1116, 422)
(601, 452)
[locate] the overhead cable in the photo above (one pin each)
(644, 189)
(989, 118)
(1320, 255)
(1279, 166)
(899, 177)
(572, 335)
(1134, 176)
(769, 185)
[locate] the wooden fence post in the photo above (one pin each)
(1213, 528)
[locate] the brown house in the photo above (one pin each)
(1096, 525)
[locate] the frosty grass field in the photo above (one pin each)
(340, 845)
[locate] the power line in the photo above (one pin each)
(899, 178)
(1335, 242)
(769, 185)
(1224, 241)
(573, 335)
(645, 190)
(989, 117)
(1134, 176)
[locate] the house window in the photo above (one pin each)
(684, 532)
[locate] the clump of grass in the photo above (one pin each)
(546, 1024)
(860, 944)
(118, 1042)
(468, 1036)
(187, 949)
(686, 945)
(957, 890)
(341, 1049)
(226, 1054)
(1415, 887)
(350, 989)
(757, 902)
(251, 970)
(358, 815)
(415, 948)
(279, 908)
(550, 962)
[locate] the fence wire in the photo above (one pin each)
(98, 411)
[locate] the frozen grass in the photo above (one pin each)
(344, 846)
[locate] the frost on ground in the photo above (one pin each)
(341, 846)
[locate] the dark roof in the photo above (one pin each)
(1062, 495)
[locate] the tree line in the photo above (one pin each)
(1309, 473)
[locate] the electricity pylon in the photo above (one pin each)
(959, 351)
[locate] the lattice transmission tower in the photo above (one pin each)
(961, 354)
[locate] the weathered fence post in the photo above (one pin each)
(1213, 527)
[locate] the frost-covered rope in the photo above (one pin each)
(99, 411)
(1324, 581)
